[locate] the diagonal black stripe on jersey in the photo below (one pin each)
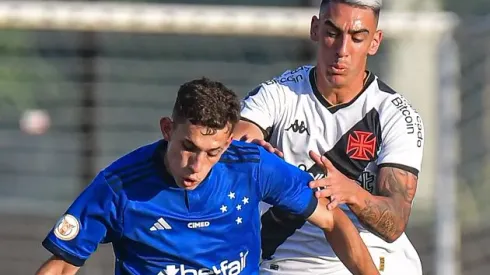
(384, 87)
(363, 148)
(277, 225)
(266, 132)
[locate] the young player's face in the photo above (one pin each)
(193, 150)
(346, 35)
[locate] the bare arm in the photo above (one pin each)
(57, 266)
(344, 239)
(387, 215)
(249, 129)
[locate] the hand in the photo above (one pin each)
(335, 186)
(267, 146)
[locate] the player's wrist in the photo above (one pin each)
(358, 197)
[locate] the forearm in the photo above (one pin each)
(348, 245)
(56, 266)
(383, 216)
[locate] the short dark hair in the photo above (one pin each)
(206, 103)
(374, 5)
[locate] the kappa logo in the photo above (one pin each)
(298, 126)
(361, 145)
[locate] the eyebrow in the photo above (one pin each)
(328, 22)
(195, 146)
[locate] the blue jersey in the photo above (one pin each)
(158, 228)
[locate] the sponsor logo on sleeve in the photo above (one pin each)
(413, 121)
(285, 79)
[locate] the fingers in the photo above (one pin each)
(279, 153)
(327, 163)
(323, 183)
(316, 158)
(324, 193)
(322, 161)
(334, 202)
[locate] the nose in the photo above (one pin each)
(195, 163)
(342, 46)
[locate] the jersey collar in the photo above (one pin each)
(334, 108)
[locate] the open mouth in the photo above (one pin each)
(188, 182)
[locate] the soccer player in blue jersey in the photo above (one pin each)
(188, 204)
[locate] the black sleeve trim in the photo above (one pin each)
(53, 248)
(266, 133)
(401, 166)
(311, 207)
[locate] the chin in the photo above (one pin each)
(189, 185)
(337, 80)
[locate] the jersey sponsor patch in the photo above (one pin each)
(67, 228)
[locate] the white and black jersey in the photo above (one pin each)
(377, 128)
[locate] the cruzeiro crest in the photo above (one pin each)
(67, 228)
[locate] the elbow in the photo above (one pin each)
(327, 224)
(391, 238)
(394, 235)
(46, 272)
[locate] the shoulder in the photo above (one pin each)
(291, 81)
(400, 121)
(244, 154)
(131, 166)
(392, 104)
(294, 81)
(241, 152)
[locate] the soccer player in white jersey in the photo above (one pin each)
(371, 139)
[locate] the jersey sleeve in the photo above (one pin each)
(284, 185)
(263, 106)
(402, 136)
(93, 218)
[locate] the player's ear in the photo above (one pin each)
(314, 29)
(166, 127)
(230, 138)
(373, 48)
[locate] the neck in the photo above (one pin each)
(343, 94)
